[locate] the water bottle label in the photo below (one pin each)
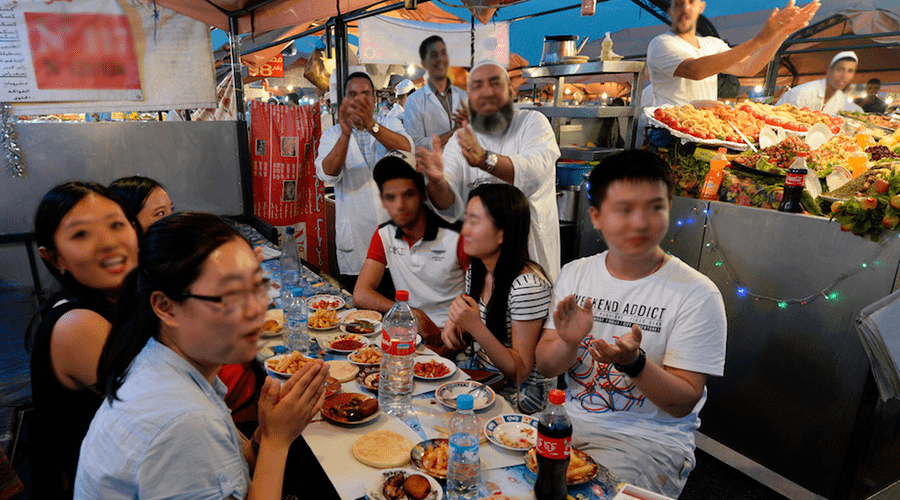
(555, 448)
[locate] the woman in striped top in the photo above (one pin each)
(507, 295)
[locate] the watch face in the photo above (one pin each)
(375, 128)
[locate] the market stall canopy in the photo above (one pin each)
(841, 17)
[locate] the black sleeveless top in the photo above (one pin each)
(61, 416)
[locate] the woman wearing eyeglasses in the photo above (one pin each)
(195, 302)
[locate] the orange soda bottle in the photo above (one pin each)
(857, 162)
(710, 189)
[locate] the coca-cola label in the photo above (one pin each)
(794, 179)
(555, 448)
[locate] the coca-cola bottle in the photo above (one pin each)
(554, 436)
(794, 182)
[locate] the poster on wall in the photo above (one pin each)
(286, 192)
(172, 57)
(66, 51)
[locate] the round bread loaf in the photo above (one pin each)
(382, 449)
(416, 486)
(343, 371)
(364, 314)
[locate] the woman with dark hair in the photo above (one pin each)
(146, 198)
(88, 240)
(507, 295)
(196, 301)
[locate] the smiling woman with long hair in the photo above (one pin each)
(87, 238)
(507, 295)
(196, 301)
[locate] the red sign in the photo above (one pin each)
(82, 51)
(283, 145)
(274, 68)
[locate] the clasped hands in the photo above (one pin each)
(464, 315)
(285, 409)
(574, 322)
(353, 114)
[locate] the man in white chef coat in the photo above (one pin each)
(438, 108)
(347, 154)
(827, 94)
(684, 67)
(499, 144)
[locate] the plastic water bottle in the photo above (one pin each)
(290, 266)
(295, 321)
(464, 466)
(553, 439)
(398, 345)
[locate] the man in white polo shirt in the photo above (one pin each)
(423, 252)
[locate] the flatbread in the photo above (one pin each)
(343, 371)
(382, 449)
(365, 314)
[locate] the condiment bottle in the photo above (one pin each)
(606, 48)
(794, 182)
(710, 189)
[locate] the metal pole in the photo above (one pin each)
(244, 159)
(472, 42)
(343, 61)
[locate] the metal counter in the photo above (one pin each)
(797, 395)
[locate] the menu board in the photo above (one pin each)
(65, 51)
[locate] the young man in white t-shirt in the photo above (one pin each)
(683, 67)
(636, 331)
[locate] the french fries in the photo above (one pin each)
(367, 355)
(290, 363)
(436, 457)
(323, 319)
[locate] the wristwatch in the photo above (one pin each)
(634, 368)
(375, 128)
(490, 161)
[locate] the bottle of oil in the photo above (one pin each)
(710, 189)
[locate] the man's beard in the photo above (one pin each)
(493, 124)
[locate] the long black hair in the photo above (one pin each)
(52, 209)
(172, 253)
(134, 191)
(510, 213)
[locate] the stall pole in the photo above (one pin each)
(241, 120)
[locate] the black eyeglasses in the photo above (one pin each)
(234, 300)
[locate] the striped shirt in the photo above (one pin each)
(529, 299)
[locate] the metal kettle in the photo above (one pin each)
(558, 47)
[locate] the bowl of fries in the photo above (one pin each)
(323, 320)
(283, 366)
(365, 356)
(431, 457)
(582, 468)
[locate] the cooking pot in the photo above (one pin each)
(567, 202)
(559, 47)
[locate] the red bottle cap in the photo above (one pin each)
(557, 397)
(401, 295)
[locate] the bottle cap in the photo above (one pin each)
(297, 292)
(289, 231)
(401, 295)
(465, 402)
(557, 397)
(722, 151)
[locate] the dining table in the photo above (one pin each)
(503, 471)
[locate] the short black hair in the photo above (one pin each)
(874, 81)
(423, 47)
(628, 165)
(393, 167)
(358, 74)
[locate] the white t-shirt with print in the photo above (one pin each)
(682, 317)
(665, 53)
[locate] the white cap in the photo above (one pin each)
(404, 87)
(847, 54)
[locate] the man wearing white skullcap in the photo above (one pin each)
(402, 90)
(499, 144)
(827, 95)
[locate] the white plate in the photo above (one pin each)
(276, 315)
(345, 336)
(507, 430)
(376, 327)
(373, 490)
(334, 301)
(446, 394)
(451, 366)
(357, 363)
